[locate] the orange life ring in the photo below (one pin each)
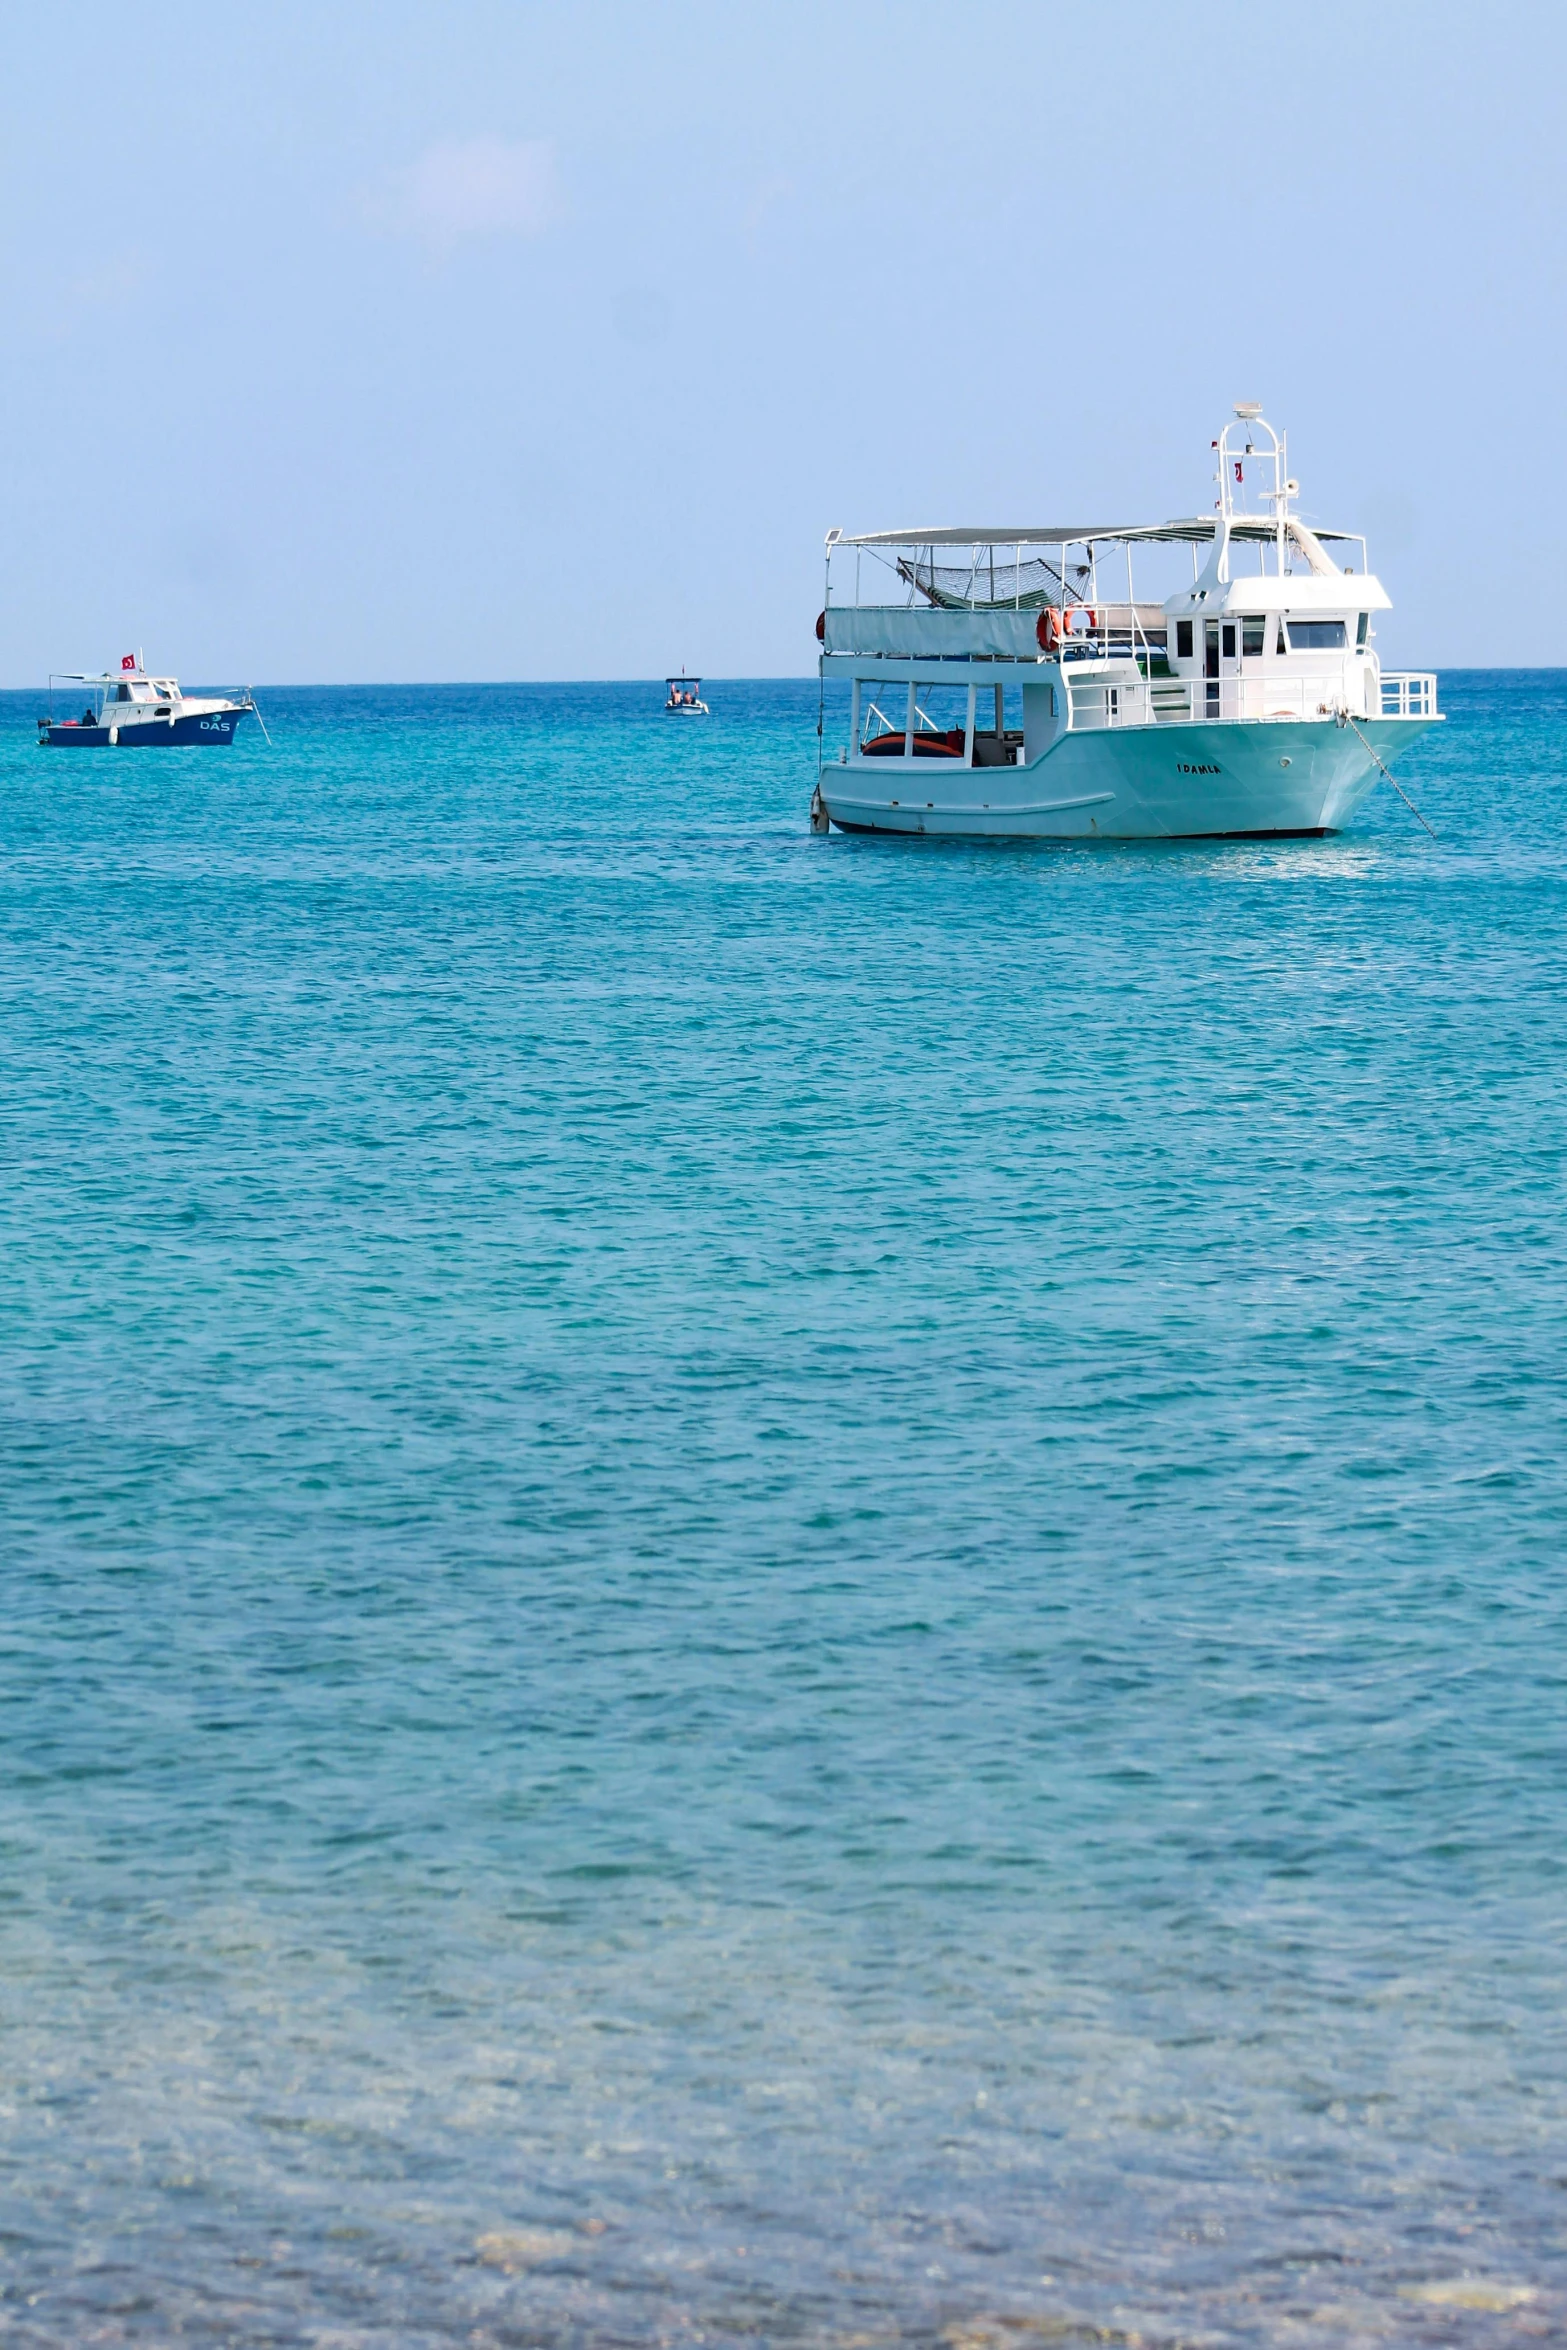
(1053, 626)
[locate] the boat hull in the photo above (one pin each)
(159, 734)
(1132, 783)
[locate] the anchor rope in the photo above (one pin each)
(1376, 762)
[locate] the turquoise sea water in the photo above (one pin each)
(761, 1589)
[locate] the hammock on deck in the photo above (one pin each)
(984, 586)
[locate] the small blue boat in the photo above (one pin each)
(126, 709)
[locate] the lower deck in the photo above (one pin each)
(1115, 782)
(994, 713)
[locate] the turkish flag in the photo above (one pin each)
(127, 660)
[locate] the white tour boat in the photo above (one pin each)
(127, 709)
(1017, 689)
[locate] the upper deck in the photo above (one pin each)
(1268, 625)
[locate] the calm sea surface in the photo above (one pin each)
(772, 1590)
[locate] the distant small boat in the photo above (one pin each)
(127, 709)
(685, 698)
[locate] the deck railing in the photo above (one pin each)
(1408, 693)
(1188, 701)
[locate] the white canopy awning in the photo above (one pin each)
(1052, 537)
(1198, 529)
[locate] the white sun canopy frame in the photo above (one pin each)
(1196, 531)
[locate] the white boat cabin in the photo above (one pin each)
(142, 690)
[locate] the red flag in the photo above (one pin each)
(127, 660)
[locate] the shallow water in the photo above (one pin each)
(773, 1589)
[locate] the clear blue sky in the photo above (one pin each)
(518, 341)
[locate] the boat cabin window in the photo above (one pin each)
(1183, 640)
(1229, 640)
(1361, 627)
(1252, 633)
(1317, 636)
(122, 692)
(941, 716)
